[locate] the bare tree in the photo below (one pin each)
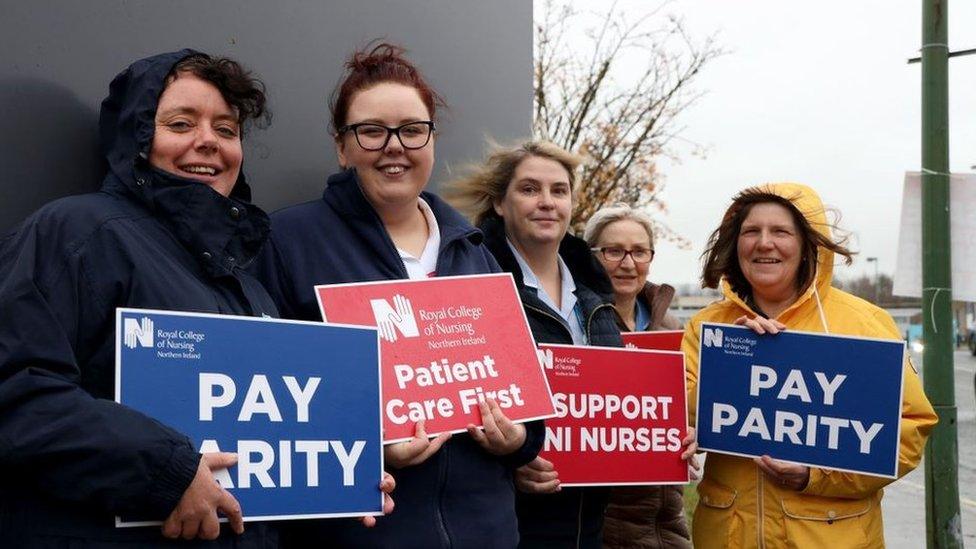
(614, 97)
(877, 291)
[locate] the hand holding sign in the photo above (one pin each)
(415, 450)
(387, 485)
(499, 436)
(788, 475)
(195, 516)
(538, 476)
(689, 446)
(761, 325)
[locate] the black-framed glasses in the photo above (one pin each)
(612, 253)
(374, 137)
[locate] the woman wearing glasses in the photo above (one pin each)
(375, 222)
(622, 238)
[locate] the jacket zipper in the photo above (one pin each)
(558, 321)
(589, 320)
(760, 508)
(579, 522)
(442, 474)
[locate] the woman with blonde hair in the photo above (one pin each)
(522, 199)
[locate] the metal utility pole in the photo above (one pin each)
(943, 524)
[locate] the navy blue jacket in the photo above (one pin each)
(70, 457)
(461, 496)
(572, 517)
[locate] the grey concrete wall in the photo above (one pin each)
(58, 57)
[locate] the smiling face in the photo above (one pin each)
(628, 277)
(197, 134)
(769, 251)
(393, 176)
(537, 204)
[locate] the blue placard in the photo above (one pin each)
(299, 402)
(814, 399)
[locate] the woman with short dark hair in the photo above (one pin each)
(171, 228)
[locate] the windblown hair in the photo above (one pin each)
(239, 88)
(384, 62)
(721, 258)
(476, 193)
(611, 214)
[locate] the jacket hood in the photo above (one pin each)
(222, 232)
(808, 203)
(127, 122)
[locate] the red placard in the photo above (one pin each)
(446, 343)
(664, 340)
(621, 415)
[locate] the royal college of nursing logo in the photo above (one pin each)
(399, 317)
(712, 337)
(545, 358)
(138, 332)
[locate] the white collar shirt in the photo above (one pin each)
(568, 311)
(425, 266)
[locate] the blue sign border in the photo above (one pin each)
(891, 472)
(377, 510)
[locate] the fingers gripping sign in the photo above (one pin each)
(195, 515)
(788, 475)
(689, 447)
(387, 485)
(415, 450)
(761, 325)
(499, 436)
(537, 477)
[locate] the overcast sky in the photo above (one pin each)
(814, 92)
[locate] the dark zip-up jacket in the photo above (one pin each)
(70, 457)
(461, 496)
(572, 517)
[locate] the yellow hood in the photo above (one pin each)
(738, 506)
(811, 207)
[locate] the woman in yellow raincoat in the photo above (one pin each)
(773, 256)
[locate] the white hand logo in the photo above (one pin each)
(138, 334)
(390, 320)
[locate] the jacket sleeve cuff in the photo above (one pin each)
(168, 487)
(535, 433)
(814, 485)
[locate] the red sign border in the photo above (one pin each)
(525, 320)
(684, 384)
(658, 332)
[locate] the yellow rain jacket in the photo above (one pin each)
(738, 506)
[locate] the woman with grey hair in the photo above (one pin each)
(622, 238)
